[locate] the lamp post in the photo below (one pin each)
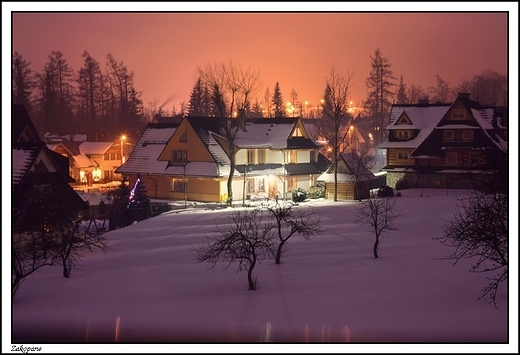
(123, 138)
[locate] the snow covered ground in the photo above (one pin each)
(148, 294)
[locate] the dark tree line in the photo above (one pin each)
(100, 102)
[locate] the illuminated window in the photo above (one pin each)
(403, 134)
(250, 156)
(261, 156)
(179, 185)
(291, 156)
(179, 156)
(447, 135)
(467, 135)
(291, 183)
(297, 132)
(261, 186)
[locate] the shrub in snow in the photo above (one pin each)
(402, 184)
(316, 192)
(385, 191)
(299, 195)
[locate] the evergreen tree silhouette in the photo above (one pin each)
(138, 201)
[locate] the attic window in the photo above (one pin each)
(458, 114)
(297, 132)
(184, 137)
(447, 135)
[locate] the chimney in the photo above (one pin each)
(464, 95)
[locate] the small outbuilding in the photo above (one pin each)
(353, 178)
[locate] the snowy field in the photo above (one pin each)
(148, 294)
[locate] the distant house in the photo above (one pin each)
(89, 161)
(190, 159)
(36, 166)
(353, 178)
(444, 145)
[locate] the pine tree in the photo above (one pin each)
(23, 81)
(119, 215)
(379, 85)
(256, 110)
(138, 201)
(277, 101)
(401, 92)
(196, 105)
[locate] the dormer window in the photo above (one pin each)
(403, 134)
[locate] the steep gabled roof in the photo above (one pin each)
(423, 118)
(355, 170)
(22, 160)
(271, 133)
(480, 118)
(95, 148)
(148, 148)
(22, 127)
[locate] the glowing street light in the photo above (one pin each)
(123, 138)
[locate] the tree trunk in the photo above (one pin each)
(231, 172)
(376, 244)
(252, 285)
(279, 253)
(66, 270)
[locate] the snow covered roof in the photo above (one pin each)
(423, 118)
(83, 161)
(22, 160)
(266, 133)
(144, 156)
(358, 170)
(95, 148)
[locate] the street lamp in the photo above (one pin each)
(123, 138)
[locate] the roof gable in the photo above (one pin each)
(22, 127)
(403, 120)
(351, 168)
(194, 140)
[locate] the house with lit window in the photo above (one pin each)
(190, 159)
(90, 161)
(444, 145)
(35, 166)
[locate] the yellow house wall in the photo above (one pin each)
(197, 151)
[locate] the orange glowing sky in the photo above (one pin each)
(164, 49)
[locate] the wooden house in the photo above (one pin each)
(34, 166)
(353, 178)
(190, 159)
(445, 145)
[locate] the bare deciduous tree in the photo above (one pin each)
(380, 214)
(335, 115)
(231, 90)
(479, 231)
(247, 239)
(289, 221)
